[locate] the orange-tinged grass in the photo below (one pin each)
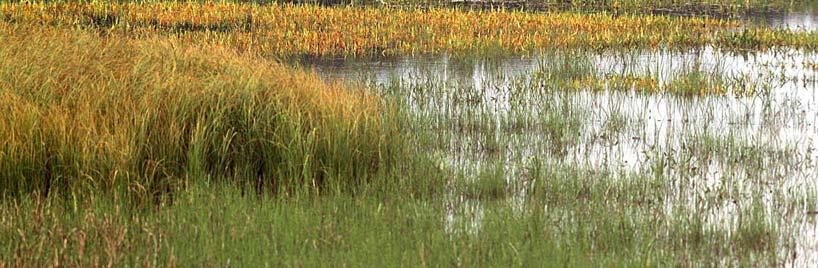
(81, 111)
(286, 30)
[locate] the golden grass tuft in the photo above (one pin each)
(80, 111)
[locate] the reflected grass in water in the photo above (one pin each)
(708, 185)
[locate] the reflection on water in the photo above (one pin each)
(800, 17)
(719, 154)
(506, 88)
(503, 110)
(718, 151)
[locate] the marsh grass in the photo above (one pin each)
(83, 114)
(219, 225)
(697, 198)
(570, 215)
(295, 30)
(719, 8)
(489, 183)
(125, 142)
(577, 71)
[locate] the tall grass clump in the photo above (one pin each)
(81, 113)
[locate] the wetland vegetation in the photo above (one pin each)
(407, 133)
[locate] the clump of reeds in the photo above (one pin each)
(80, 113)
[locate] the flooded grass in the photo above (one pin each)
(703, 178)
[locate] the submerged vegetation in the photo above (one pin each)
(175, 134)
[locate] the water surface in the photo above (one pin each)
(718, 152)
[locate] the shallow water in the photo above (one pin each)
(784, 115)
(803, 17)
(719, 152)
(491, 110)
